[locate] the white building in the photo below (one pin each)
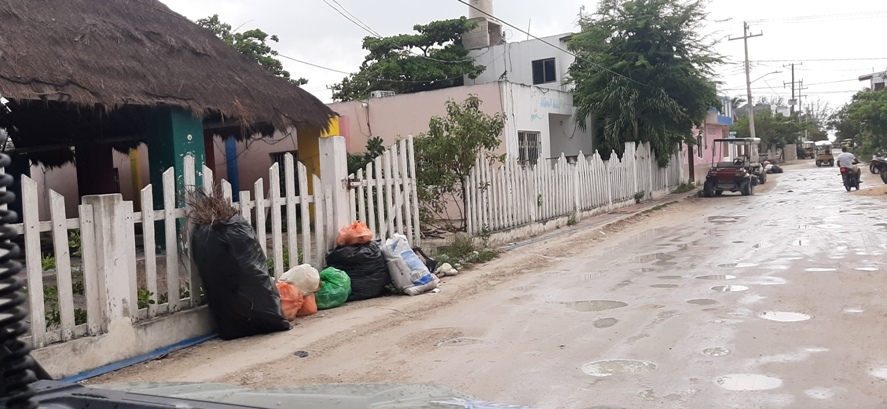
(531, 62)
(876, 80)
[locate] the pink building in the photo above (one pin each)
(716, 126)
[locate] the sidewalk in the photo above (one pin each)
(242, 361)
(602, 220)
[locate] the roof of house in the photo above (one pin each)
(114, 53)
(867, 77)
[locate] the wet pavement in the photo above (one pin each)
(773, 300)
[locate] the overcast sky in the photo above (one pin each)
(851, 33)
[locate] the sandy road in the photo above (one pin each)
(774, 300)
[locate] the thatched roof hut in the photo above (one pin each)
(86, 69)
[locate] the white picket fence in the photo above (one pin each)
(181, 280)
(505, 196)
(384, 194)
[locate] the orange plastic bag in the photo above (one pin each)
(354, 233)
(291, 299)
(309, 307)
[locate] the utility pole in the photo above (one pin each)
(801, 109)
(792, 102)
(751, 105)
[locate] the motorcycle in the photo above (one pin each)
(850, 176)
(878, 166)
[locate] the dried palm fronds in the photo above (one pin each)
(209, 208)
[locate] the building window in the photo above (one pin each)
(544, 71)
(278, 158)
(529, 144)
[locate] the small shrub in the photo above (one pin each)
(639, 196)
(572, 221)
(686, 187)
(144, 298)
(74, 243)
(79, 316)
(48, 263)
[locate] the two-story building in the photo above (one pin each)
(526, 80)
(876, 80)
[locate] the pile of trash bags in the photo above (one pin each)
(243, 298)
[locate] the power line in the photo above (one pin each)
(522, 31)
(797, 19)
(371, 78)
(828, 59)
(359, 23)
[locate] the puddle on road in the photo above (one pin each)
(702, 301)
(605, 322)
(643, 270)
(829, 226)
(738, 241)
(782, 316)
(819, 269)
(853, 310)
(664, 285)
(748, 382)
(670, 277)
(737, 265)
(729, 288)
(716, 351)
(723, 219)
(523, 288)
(617, 367)
(653, 257)
(717, 277)
(457, 342)
(879, 373)
(820, 393)
(593, 305)
(767, 280)
(592, 276)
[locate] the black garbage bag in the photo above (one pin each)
(241, 295)
(365, 265)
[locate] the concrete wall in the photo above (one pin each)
(253, 157)
(64, 181)
(541, 110)
(393, 117)
(515, 60)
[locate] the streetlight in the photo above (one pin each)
(751, 105)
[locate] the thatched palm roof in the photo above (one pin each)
(114, 53)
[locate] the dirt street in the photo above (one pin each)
(773, 300)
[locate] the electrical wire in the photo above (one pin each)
(797, 19)
(827, 59)
(522, 31)
(374, 78)
(356, 21)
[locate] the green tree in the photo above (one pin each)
(448, 151)
(864, 119)
(252, 43)
(643, 72)
(374, 149)
(774, 130)
(432, 59)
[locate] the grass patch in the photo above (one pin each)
(463, 251)
(684, 188)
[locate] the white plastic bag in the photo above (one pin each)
(407, 271)
(304, 277)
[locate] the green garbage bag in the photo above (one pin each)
(335, 287)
